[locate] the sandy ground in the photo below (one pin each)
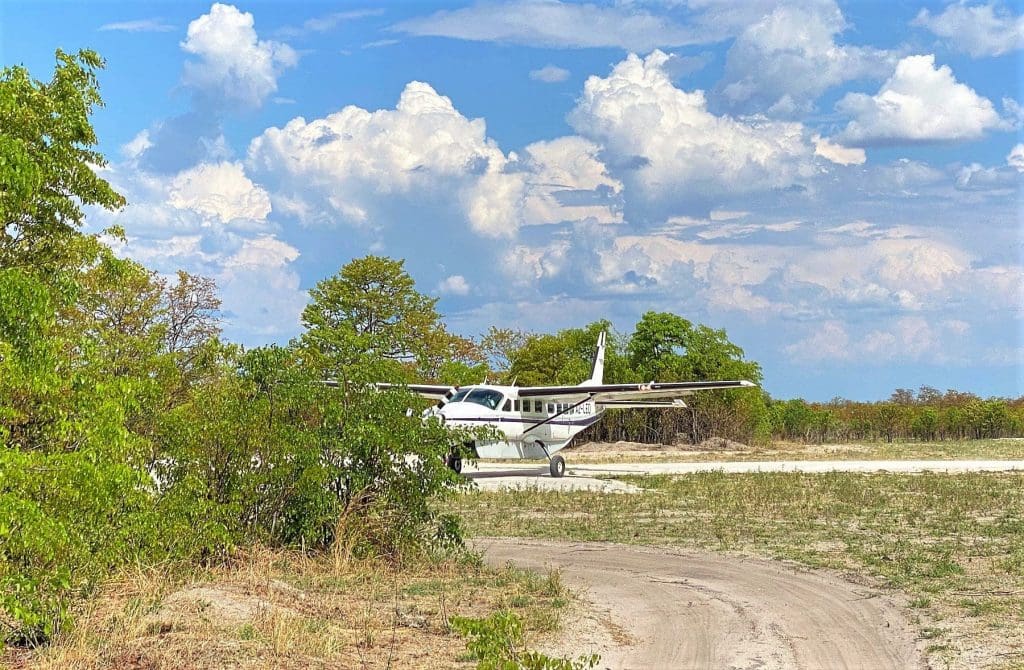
(671, 609)
(584, 476)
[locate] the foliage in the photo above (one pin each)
(664, 347)
(925, 415)
(371, 305)
(47, 161)
(496, 642)
(276, 456)
(73, 495)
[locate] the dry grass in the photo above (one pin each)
(954, 543)
(275, 609)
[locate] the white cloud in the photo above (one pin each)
(907, 338)
(220, 191)
(919, 103)
(377, 44)
(234, 66)
(549, 74)
(551, 23)
(979, 30)
(350, 163)
(669, 142)
(454, 285)
(156, 25)
(829, 341)
(169, 220)
(321, 24)
(782, 63)
(265, 251)
(727, 215)
(260, 289)
(137, 145)
(566, 181)
(837, 153)
(1015, 158)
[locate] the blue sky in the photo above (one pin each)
(837, 185)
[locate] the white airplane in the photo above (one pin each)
(539, 421)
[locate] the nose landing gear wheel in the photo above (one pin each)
(454, 462)
(557, 466)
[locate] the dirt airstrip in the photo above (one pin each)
(655, 608)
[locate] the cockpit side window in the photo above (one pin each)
(460, 395)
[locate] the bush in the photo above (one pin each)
(496, 643)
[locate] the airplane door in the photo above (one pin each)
(559, 427)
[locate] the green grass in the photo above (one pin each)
(953, 543)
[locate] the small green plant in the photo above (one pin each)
(497, 644)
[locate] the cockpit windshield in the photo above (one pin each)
(489, 398)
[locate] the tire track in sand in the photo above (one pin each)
(655, 608)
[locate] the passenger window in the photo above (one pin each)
(551, 408)
(507, 407)
(538, 406)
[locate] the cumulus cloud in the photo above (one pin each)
(663, 140)
(780, 64)
(828, 341)
(211, 219)
(979, 30)
(232, 70)
(549, 74)
(342, 165)
(918, 103)
(567, 181)
(233, 66)
(220, 191)
(1015, 158)
(551, 23)
(454, 285)
(354, 163)
(908, 338)
(837, 153)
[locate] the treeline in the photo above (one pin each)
(927, 414)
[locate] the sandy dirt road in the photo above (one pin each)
(663, 609)
(584, 476)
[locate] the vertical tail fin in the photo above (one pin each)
(597, 370)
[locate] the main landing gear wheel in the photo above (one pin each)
(557, 466)
(454, 461)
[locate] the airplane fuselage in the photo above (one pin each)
(533, 428)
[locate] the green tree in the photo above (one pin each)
(658, 347)
(47, 162)
(74, 493)
(566, 357)
(370, 306)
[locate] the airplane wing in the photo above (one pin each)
(640, 404)
(609, 393)
(432, 391)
